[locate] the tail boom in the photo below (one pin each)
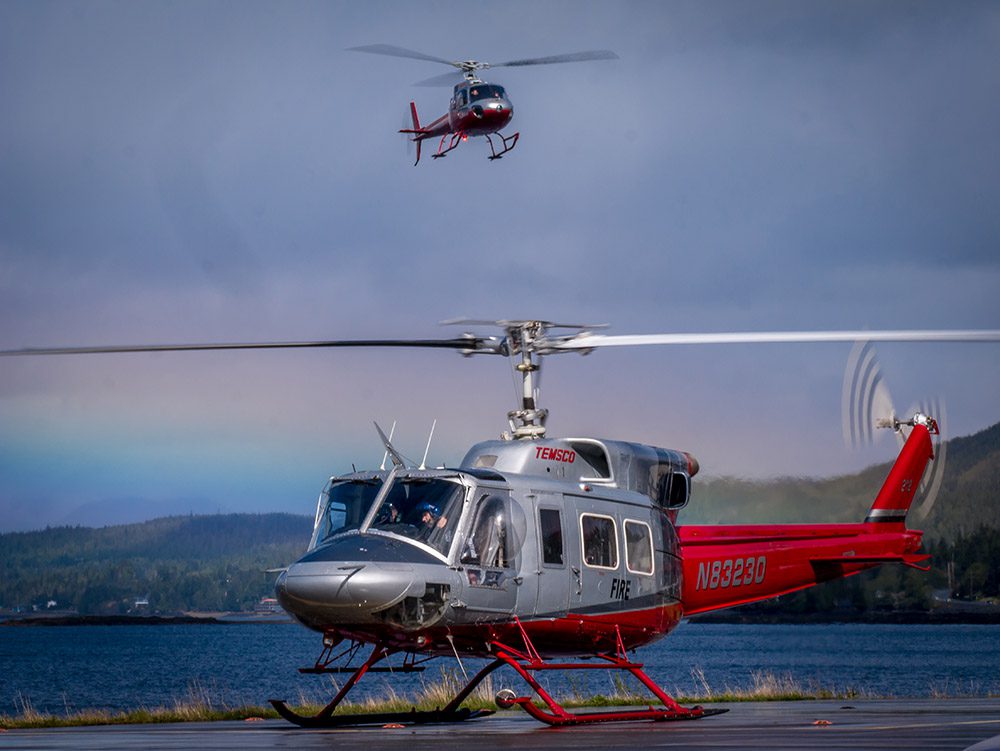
(728, 565)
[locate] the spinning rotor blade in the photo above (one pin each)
(572, 57)
(865, 398)
(445, 79)
(867, 406)
(764, 337)
(392, 51)
(466, 344)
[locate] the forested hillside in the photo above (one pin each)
(179, 563)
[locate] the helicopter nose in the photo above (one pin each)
(349, 588)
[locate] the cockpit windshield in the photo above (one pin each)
(425, 509)
(486, 91)
(343, 506)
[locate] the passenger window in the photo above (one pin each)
(488, 544)
(552, 540)
(600, 541)
(638, 547)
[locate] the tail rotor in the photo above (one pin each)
(867, 405)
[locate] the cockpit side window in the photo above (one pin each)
(462, 98)
(489, 543)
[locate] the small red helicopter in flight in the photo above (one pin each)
(542, 553)
(477, 108)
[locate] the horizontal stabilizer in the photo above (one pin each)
(907, 559)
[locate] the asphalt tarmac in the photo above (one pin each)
(901, 725)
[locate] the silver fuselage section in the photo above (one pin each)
(533, 529)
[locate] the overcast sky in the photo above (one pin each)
(227, 171)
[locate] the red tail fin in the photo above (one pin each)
(416, 129)
(888, 512)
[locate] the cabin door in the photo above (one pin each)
(490, 558)
(556, 580)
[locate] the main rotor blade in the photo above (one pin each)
(471, 344)
(445, 79)
(391, 51)
(572, 57)
(764, 337)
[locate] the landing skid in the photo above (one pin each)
(509, 142)
(326, 717)
(524, 662)
(413, 717)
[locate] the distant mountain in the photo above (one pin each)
(969, 496)
(176, 563)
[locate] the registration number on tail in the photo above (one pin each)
(731, 572)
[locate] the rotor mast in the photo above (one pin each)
(529, 341)
(529, 421)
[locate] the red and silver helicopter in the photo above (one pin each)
(477, 108)
(535, 552)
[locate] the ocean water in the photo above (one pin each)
(58, 669)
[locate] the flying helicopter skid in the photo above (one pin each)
(536, 552)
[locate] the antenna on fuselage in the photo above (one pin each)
(423, 462)
(390, 450)
(386, 454)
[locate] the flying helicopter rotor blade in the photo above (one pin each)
(464, 343)
(445, 79)
(393, 51)
(590, 341)
(572, 57)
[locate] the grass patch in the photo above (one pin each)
(198, 706)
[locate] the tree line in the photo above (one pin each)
(177, 563)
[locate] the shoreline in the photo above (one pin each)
(227, 619)
(895, 618)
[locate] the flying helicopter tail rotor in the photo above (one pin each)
(868, 407)
(404, 128)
